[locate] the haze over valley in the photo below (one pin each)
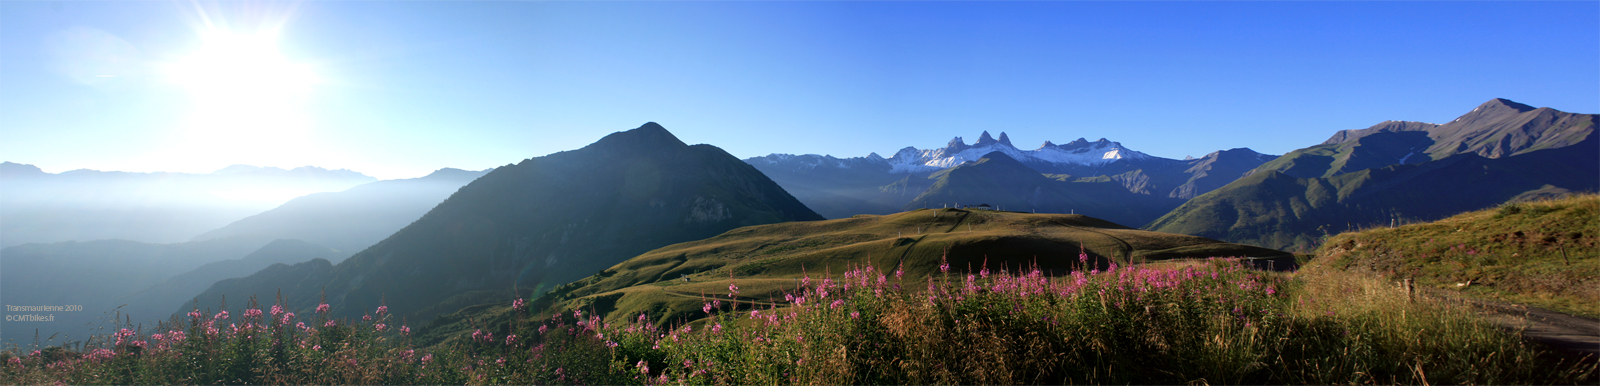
(836, 193)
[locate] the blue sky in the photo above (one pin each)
(398, 89)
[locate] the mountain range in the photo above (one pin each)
(354, 219)
(147, 280)
(454, 239)
(85, 205)
(1400, 172)
(521, 229)
(839, 188)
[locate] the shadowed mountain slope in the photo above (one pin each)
(353, 219)
(543, 222)
(1276, 209)
(1002, 182)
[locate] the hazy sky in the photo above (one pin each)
(397, 89)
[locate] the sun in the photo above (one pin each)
(248, 100)
(242, 70)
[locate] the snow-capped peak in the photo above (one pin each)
(984, 139)
(1080, 152)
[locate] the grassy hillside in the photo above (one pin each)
(1538, 253)
(1278, 210)
(766, 260)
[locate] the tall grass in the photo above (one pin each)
(1212, 321)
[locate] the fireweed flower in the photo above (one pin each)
(510, 339)
(322, 308)
(220, 315)
(330, 323)
(382, 309)
(405, 330)
(252, 313)
(516, 305)
(366, 318)
(733, 289)
(277, 310)
(380, 326)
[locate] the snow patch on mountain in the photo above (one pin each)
(813, 161)
(1080, 152)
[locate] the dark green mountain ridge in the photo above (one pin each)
(1294, 201)
(542, 222)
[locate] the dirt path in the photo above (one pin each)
(1575, 335)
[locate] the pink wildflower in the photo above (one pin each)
(322, 308)
(382, 309)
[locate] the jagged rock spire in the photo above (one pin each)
(984, 139)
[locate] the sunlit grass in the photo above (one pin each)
(1213, 322)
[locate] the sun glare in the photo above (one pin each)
(243, 71)
(248, 102)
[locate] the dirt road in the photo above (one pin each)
(1576, 335)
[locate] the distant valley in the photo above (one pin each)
(456, 239)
